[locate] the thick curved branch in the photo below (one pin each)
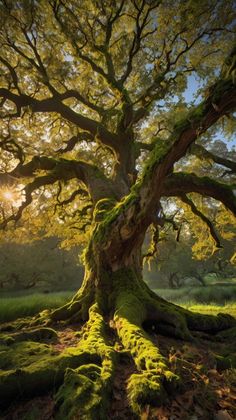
(202, 216)
(201, 152)
(157, 179)
(162, 159)
(179, 183)
(98, 185)
(73, 93)
(64, 170)
(53, 104)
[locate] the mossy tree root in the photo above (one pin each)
(173, 320)
(76, 310)
(32, 334)
(44, 373)
(209, 323)
(154, 380)
(81, 375)
(86, 389)
(137, 311)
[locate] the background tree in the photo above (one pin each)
(41, 264)
(93, 124)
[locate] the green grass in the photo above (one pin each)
(209, 300)
(15, 307)
(212, 308)
(213, 293)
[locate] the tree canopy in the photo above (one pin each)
(93, 90)
(99, 142)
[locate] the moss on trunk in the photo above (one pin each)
(119, 313)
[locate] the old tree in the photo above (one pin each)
(94, 123)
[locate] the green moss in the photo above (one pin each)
(160, 150)
(148, 386)
(143, 389)
(226, 362)
(6, 339)
(110, 216)
(30, 368)
(209, 323)
(23, 354)
(102, 207)
(86, 389)
(27, 374)
(81, 394)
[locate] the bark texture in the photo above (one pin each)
(115, 315)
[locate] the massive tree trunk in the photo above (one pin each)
(116, 314)
(114, 311)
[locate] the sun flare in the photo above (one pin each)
(8, 195)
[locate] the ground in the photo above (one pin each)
(207, 389)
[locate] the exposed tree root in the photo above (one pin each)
(76, 309)
(86, 389)
(81, 377)
(154, 379)
(39, 334)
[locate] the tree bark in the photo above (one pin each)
(113, 301)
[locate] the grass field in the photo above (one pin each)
(21, 306)
(212, 308)
(207, 294)
(13, 307)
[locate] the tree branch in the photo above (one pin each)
(201, 152)
(161, 83)
(167, 152)
(180, 183)
(70, 144)
(202, 216)
(53, 104)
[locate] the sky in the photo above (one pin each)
(193, 85)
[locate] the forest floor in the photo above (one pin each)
(208, 390)
(208, 386)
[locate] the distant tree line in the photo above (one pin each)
(176, 266)
(41, 264)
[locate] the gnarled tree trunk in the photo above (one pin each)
(118, 312)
